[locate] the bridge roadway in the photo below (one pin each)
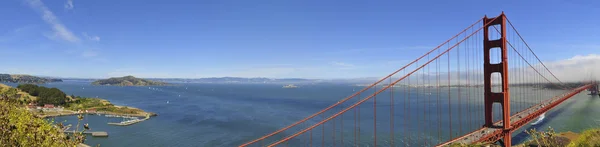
(492, 134)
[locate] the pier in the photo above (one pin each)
(94, 133)
(129, 122)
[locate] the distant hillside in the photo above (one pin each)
(26, 79)
(232, 80)
(127, 81)
(263, 80)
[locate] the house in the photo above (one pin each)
(93, 110)
(49, 107)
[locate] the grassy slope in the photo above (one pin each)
(102, 105)
(4, 88)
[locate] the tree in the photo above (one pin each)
(45, 95)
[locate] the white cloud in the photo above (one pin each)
(69, 5)
(92, 38)
(60, 31)
(577, 68)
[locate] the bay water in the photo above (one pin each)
(231, 114)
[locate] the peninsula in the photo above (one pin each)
(48, 102)
(18, 78)
(128, 81)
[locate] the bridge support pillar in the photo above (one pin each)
(501, 97)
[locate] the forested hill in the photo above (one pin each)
(26, 79)
(128, 81)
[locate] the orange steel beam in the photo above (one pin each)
(503, 97)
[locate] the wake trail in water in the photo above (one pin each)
(540, 119)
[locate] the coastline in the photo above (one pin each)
(71, 112)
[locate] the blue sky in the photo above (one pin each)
(265, 38)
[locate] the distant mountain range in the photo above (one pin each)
(19, 78)
(257, 80)
(262, 80)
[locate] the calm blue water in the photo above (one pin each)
(231, 114)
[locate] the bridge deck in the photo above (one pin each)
(479, 134)
(518, 120)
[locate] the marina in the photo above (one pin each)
(127, 120)
(132, 120)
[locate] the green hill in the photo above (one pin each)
(26, 79)
(128, 81)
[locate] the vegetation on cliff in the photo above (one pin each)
(26, 79)
(127, 81)
(19, 127)
(589, 137)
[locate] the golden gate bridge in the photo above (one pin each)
(481, 85)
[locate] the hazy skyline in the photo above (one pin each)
(274, 39)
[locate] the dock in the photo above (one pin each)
(130, 122)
